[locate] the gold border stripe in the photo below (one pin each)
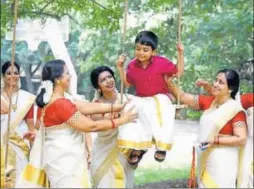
(134, 145)
(158, 110)
(208, 180)
(119, 174)
(35, 175)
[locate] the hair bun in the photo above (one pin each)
(48, 86)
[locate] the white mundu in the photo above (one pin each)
(156, 117)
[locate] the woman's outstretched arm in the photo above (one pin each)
(185, 98)
(205, 84)
(88, 108)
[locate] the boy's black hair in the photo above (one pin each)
(147, 38)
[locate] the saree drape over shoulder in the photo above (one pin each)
(58, 156)
(18, 127)
(219, 166)
(109, 166)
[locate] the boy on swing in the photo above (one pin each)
(147, 73)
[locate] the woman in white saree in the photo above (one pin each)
(4, 110)
(22, 101)
(247, 179)
(247, 104)
(109, 166)
(58, 156)
(222, 134)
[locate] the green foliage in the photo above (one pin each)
(23, 55)
(193, 115)
(151, 175)
(94, 14)
(216, 34)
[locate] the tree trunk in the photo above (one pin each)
(28, 76)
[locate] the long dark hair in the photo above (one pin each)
(94, 76)
(233, 81)
(52, 70)
(7, 64)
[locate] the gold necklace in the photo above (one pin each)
(13, 106)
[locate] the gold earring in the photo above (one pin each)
(57, 81)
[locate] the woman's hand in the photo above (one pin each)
(201, 83)
(129, 116)
(120, 107)
(205, 145)
(30, 135)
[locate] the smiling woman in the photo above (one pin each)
(109, 166)
(223, 127)
(22, 101)
(58, 153)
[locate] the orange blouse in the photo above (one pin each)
(247, 100)
(205, 102)
(56, 113)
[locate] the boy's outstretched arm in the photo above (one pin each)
(205, 84)
(180, 59)
(120, 66)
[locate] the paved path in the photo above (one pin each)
(181, 152)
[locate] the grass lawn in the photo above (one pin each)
(150, 175)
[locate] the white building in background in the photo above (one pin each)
(52, 31)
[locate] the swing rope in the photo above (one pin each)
(179, 41)
(15, 2)
(123, 42)
(192, 179)
(179, 55)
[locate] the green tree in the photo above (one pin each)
(216, 34)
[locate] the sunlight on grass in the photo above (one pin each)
(150, 175)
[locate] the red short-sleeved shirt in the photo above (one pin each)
(205, 103)
(247, 100)
(56, 113)
(150, 81)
